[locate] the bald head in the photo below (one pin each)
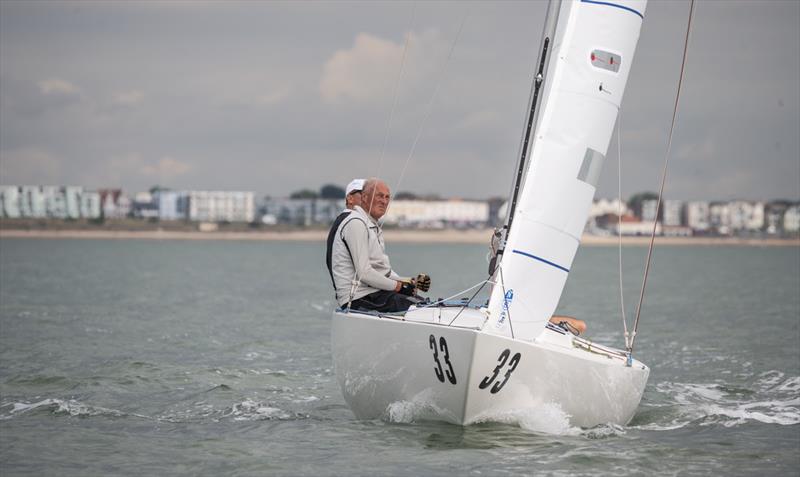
(375, 197)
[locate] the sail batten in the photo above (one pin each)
(592, 50)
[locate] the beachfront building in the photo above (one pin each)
(672, 215)
(606, 207)
(72, 201)
(302, 212)
(746, 215)
(32, 203)
(172, 205)
(719, 218)
(697, 216)
(55, 202)
(438, 213)
(221, 206)
(791, 219)
(630, 225)
(90, 205)
(114, 204)
(649, 210)
(10, 202)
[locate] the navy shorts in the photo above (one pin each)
(384, 301)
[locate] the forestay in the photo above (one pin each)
(587, 69)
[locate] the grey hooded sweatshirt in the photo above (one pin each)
(359, 236)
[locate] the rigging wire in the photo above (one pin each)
(619, 227)
(397, 89)
(663, 180)
(429, 107)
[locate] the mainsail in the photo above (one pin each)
(586, 60)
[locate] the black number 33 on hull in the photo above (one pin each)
(441, 373)
(501, 361)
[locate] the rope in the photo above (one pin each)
(442, 300)
(663, 180)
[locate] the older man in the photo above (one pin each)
(362, 274)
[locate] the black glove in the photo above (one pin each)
(406, 288)
(423, 282)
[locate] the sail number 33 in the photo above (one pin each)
(441, 346)
(501, 363)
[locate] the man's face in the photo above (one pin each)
(353, 199)
(375, 201)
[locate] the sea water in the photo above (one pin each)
(136, 357)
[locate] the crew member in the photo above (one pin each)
(362, 273)
(352, 198)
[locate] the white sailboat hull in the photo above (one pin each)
(386, 364)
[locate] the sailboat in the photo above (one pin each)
(466, 363)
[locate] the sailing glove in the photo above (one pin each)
(406, 288)
(423, 282)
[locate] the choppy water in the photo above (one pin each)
(213, 358)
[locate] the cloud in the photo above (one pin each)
(274, 97)
(29, 166)
(166, 168)
(128, 99)
(368, 70)
(56, 86)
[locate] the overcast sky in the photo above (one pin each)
(277, 96)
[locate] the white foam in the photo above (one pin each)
(420, 407)
(775, 402)
(249, 410)
(64, 406)
(547, 418)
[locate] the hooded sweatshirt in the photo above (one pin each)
(359, 258)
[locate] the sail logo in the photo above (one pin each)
(605, 60)
(507, 299)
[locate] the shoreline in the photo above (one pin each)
(397, 236)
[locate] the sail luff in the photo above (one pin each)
(592, 51)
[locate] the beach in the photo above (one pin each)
(399, 236)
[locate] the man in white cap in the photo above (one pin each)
(352, 198)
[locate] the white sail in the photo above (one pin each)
(587, 69)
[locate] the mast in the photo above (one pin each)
(583, 66)
(551, 19)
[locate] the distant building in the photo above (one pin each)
(301, 212)
(55, 202)
(632, 226)
(72, 201)
(697, 216)
(602, 207)
(649, 210)
(114, 203)
(221, 206)
(172, 205)
(90, 205)
(719, 218)
(32, 203)
(746, 215)
(438, 213)
(144, 206)
(673, 214)
(10, 201)
(791, 219)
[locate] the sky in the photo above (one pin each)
(274, 97)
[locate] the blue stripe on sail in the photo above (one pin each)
(541, 260)
(609, 4)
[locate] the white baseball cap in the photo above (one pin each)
(356, 185)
